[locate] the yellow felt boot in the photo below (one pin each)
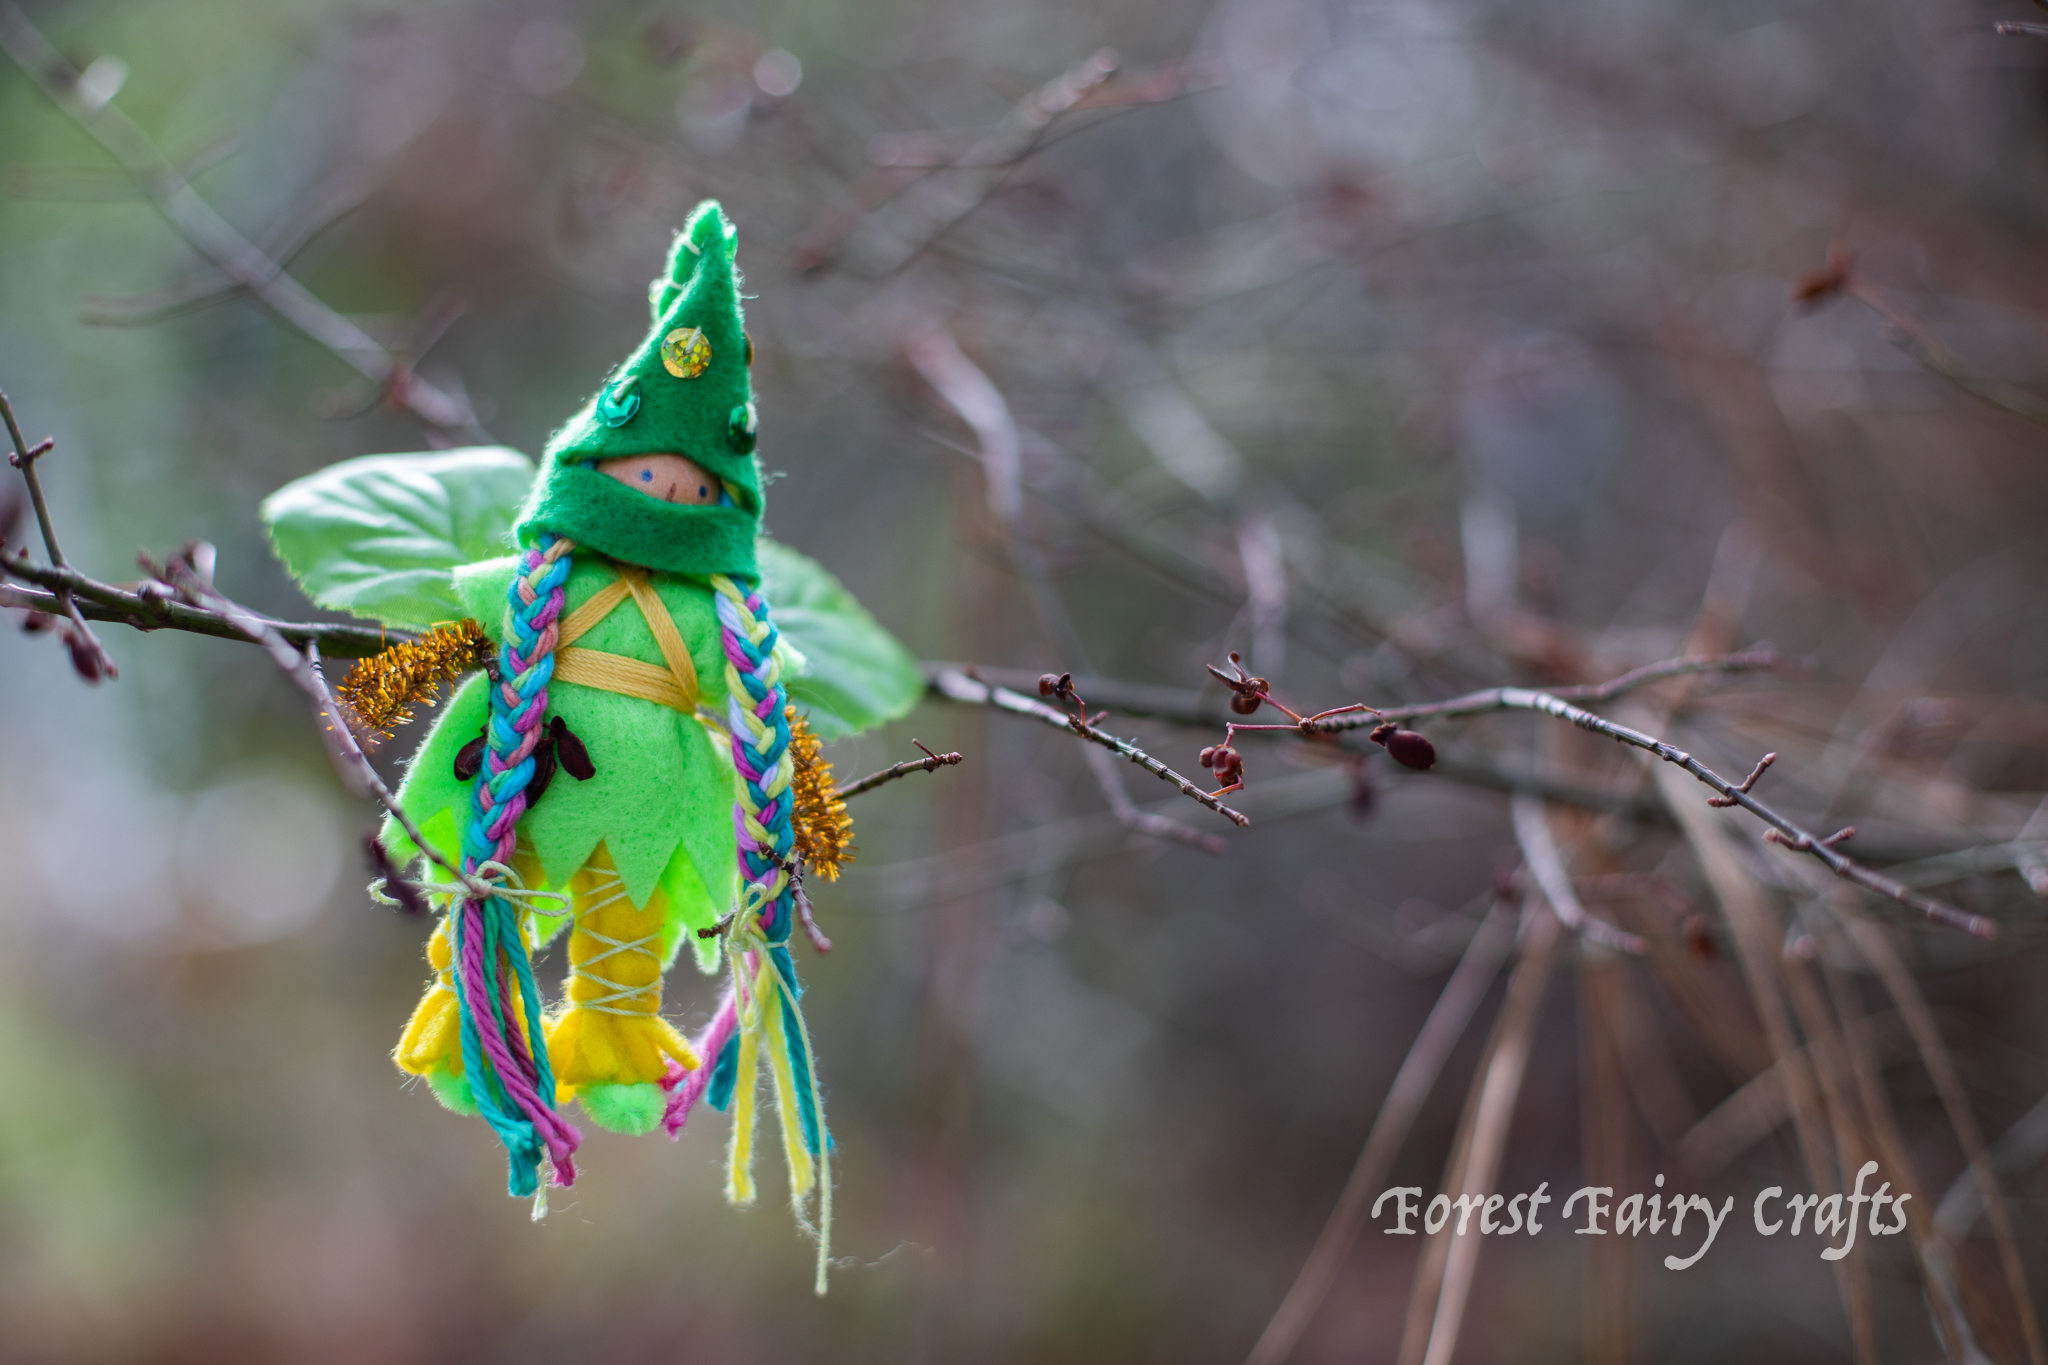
(610, 1047)
(431, 1045)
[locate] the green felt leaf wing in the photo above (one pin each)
(857, 675)
(377, 536)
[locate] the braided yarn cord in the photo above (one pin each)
(504, 1054)
(765, 994)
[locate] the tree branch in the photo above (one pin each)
(303, 669)
(234, 255)
(930, 763)
(959, 686)
(1546, 865)
(96, 663)
(1791, 835)
(147, 611)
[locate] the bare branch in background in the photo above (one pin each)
(1440, 1298)
(1539, 852)
(962, 687)
(1914, 337)
(953, 187)
(88, 655)
(1448, 1018)
(213, 237)
(977, 401)
(1791, 835)
(930, 763)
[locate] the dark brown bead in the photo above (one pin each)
(469, 760)
(1411, 750)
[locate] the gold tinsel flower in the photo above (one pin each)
(381, 691)
(824, 831)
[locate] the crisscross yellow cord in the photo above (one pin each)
(674, 686)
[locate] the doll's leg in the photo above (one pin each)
(431, 1046)
(610, 1047)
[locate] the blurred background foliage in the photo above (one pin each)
(1406, 346)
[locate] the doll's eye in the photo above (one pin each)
(647, 476)
(704, 492)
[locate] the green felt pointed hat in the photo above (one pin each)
(685, 391)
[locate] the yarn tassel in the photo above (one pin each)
(504, 1051)
(765, 986)
(713, 1044)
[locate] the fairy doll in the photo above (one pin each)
(630, 770)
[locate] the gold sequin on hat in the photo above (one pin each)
(686, 352)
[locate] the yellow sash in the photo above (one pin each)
(674, 686)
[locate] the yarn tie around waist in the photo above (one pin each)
(504, 1052)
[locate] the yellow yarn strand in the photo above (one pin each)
(801, 1171)
(739, 1161)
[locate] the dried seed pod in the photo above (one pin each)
(1411, 750)
(575, 757)
(1227, 764)
(1048, 684)
(469, 760)
(1207, 758)
(85, 661)
(1244, 703)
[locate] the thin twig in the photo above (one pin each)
(1490, 1107)
(1204, 709)
(1446, 1024)
(1131, 817)
(961, 687)
(977, 401)
(24, 458)
(213, 237)
(304, 670)
(931, 763)
(1759, 938)
(1838, 276)
(1795, 837)
(1918, 340)
(1877, 949)
(1539, 850)
(938, 206)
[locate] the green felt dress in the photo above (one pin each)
(662, 797)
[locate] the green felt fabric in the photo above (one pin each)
(690, 416)
(634, 1110)
(663, 794)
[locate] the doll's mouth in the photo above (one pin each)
(666, 478)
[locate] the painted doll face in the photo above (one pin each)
(666, 478)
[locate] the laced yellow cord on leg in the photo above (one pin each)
(611, 1031)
